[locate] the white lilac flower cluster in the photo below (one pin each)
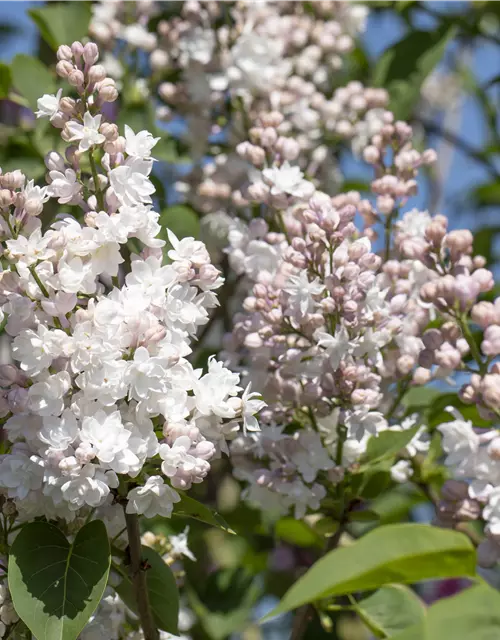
(102, 395)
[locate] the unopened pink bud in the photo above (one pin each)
(90, 53)
(421, 376)
(76, 78)
(77, 49)
(64, 52)
(64, 68)
(96, 73)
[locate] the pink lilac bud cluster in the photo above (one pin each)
(101, 392)
(396, 162)
(78, 65)
(327, 329)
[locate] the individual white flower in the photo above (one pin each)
(48, 105)
(106, 433)
(139, 144)
(188, 250)
(154, 498)
(288, 179)
(90, 487)
(46, 398)
(302, 294)
(176, 457)
(105, 383)
(338, 347)
(310, 456)
(152, 278)
(20, 474)
(215, 388)
(362, 420)
(251, 403)
(130, 181)
(298, 495)
(34, 198)
(370, 344)
(460, 442)
(87, 133)
(145, 375)
(75, 276)
(59, 433)
(64, 186)
(106, 257)
(29, 250)
(402, 471)
(35, 350)
(179, 544)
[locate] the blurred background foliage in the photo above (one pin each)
(440, 62)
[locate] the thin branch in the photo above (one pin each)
(139, 580)
(305, 613)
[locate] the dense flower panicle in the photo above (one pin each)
(335, 332)
(101, 388)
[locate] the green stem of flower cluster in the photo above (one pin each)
(98, 192)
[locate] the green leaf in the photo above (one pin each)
(366, 515)
(165, 150)
(225, 602)
(31, 78)
(390, 610)
(180, 219)
(403, 553)
(5, 80)
(419, 397)
(387, 443)
(486, 195)
(297, 532)
(437, 413)
(163, 593)
(375, 481)
(484, 241)
(62, 23)
(56, 585)
(395, 506)
(190, 508)
(404, 66)
(473, 614)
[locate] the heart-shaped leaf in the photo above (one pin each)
(56, 585)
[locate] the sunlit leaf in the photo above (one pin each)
(405, 65)
(31, 78)
(391, 609)
(402, 553)
(62, 22)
